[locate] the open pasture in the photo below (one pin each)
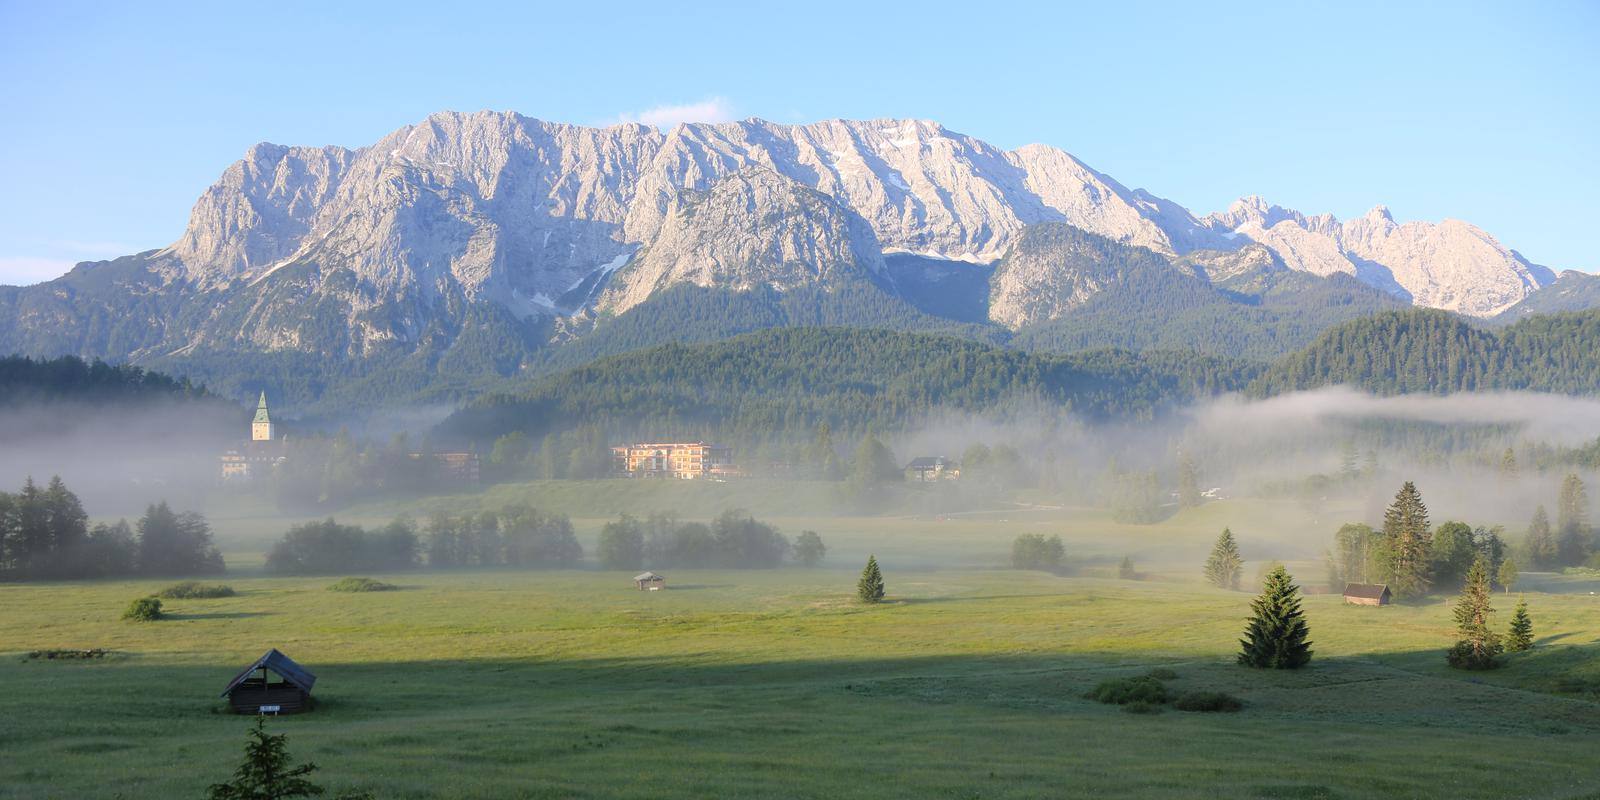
(970, 683)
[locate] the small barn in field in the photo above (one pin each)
(1366, 594)
(254, 690)
(649, 582)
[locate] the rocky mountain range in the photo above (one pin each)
(552, 229)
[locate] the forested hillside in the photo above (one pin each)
(1433, 351)
(26, 380)
(782, 383)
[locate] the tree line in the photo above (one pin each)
(520, 536)
(45, 535)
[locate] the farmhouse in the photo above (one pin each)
(1366, 594)
(253, 691)
(927, 469)
(649, 582)
(686, 460)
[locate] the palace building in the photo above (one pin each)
(685, 460)
(259, 456)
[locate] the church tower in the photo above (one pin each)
(261, 427)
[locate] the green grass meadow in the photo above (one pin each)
(968, 683)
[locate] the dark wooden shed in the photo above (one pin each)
(253, 691)
(1366, 594)
(649, 582)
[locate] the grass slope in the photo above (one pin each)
(969, 683)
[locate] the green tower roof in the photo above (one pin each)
(261, 409)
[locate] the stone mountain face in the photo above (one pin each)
(339, 250)
(1450, 265)
(750, 228)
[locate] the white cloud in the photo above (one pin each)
(711, 109)
(25, 270)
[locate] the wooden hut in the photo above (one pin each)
(649, 582)
(253, 690)
(1366, 594)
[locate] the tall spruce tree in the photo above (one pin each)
(1508, 465)
(1405, 533)
(1188, 482)
(1541, 542)
(1478, 647)
(1520, 637)
(870, 588)
(1572, 522)
(1224, 566)
(265, 773)
(1275, 637)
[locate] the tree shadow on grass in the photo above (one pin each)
(219, 615)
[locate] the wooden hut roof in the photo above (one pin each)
(928, 462)
(648, 576)
(279, 663)
(1370, 591)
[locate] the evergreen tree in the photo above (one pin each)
(1572, 522)
(1520, 637)
(621, 544)
(1126, 570)
(1275, 637)
(870, 588)
(1405, 533)
(1477, 647)
(809, 549)
(1347, 461)
(1452, 551)
(1224, 566)
(1508, 465)
(874, 465)
(265, 773)
(1506, 576)
(1188, 482)
(1541, 543)
(176, 544)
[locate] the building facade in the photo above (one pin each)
(683, 460)
(260, 455)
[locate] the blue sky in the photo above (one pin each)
(117, 117)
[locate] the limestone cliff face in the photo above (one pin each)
(1450, 265)
(749, 229)
(537, 219)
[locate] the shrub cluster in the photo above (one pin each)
(144, 609)
(1146, 694)
(734, 540)
(1035, 551)
(361, 585)
(328, 546)
(194, 590)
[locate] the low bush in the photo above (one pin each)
(145, 609)
(67, 655)
(361, 585)
(1207, 701)
(194, 590)
(1122, 691)
(1142, 707)
(1162, 674)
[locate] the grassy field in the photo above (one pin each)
(969, 683)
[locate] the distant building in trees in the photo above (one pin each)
(261, 454)
(684, 460)
(1366, 594)
(459, 466)
(928, 469)
(253, 691)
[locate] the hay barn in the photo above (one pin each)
(253, 691)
